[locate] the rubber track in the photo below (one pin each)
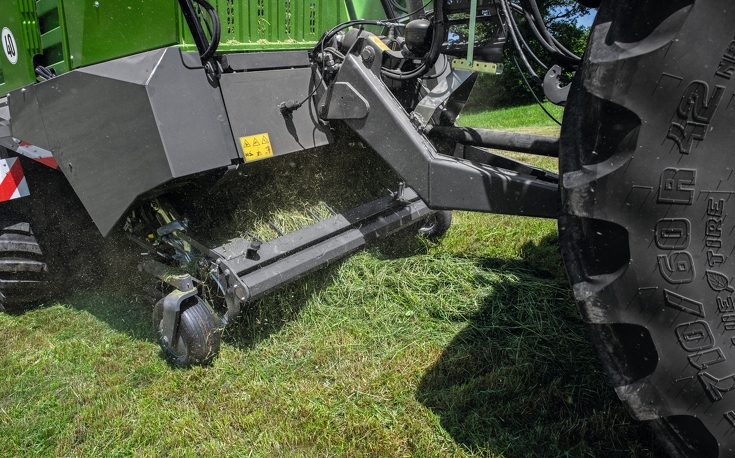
(22, 270)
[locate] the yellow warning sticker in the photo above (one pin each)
(380, 44)
(256, 147)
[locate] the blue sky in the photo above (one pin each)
(587, 20)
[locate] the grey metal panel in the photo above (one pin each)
(4, 118)
(123, 128)
(136, 69)
(191, 60)
(191, 117)
(252, 100)
(104, 136)
(425, 110)
(344, 102)
(266, 60)
(26, 114)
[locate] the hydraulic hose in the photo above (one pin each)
(439, 22)
(206, 47)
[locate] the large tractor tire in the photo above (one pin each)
(23, 272)
(647, 179)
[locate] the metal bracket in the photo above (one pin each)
(171, 308)
(477, 66)
(425, 110)
(236, 292)
(553, 88)
(344, 102)
(184, 288)
(443, 182)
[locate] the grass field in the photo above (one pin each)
(470, 346)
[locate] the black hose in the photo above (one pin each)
(417, 9)
(545, 39)
(398, 7)
(517, 30)
(206, 47)
(516, 43)
(437, 40)
(534, 93)
(215, 32)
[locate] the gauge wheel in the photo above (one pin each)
(647, 178)
(198, 335)
(436, 224)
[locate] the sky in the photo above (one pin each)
(587, 20)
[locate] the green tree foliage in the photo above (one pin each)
(508, 89)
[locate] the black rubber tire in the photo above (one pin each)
(436, 225)
(23, 272)
(198, 337)
(646, 180)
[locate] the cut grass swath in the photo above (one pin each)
(466, 347)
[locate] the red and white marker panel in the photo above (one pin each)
(12, 181)
(37, 154)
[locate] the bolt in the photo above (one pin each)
(240, 292)
(368, 55)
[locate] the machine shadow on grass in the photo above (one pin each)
(522, 369)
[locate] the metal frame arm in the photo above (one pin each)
(359, 98)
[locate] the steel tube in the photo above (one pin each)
(509, 141)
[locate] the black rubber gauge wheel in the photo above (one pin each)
(198, 338)
(647, 183)
(23, 272)
(436, 225)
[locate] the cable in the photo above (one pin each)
(290, 106)
(417, 10)
(398, 7)
(534, 19)
(439, 73)
(536, 78)
(328, 35)
(437, 40)
(517, 29)
(206, 50)
(528, 85)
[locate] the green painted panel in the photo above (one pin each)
(369, 9)
(262, 25)
(99, 30)
(25, 43)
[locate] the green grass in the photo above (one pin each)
(470, 346)
(512, 118)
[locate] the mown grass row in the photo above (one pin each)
(470, 346)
